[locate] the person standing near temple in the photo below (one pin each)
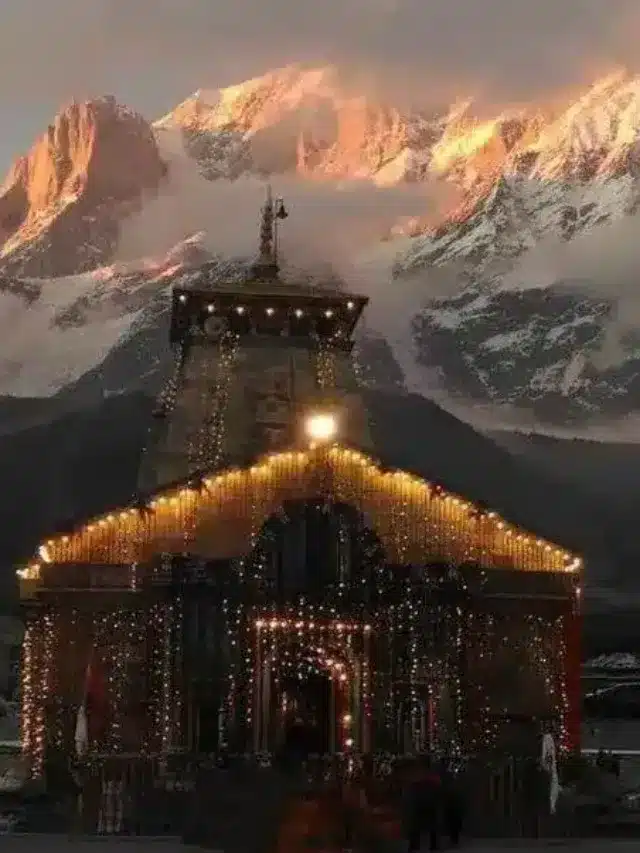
(423, 810)
(453, 804)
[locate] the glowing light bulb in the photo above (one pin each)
(321, 426)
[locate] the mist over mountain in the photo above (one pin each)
(498, 251)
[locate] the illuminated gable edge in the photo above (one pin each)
(199, 480)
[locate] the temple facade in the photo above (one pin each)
(271, 568)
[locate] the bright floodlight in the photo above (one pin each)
(321, 427)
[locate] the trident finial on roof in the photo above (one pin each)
(267, 264)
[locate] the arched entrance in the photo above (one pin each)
(305, 698)
(304, 709)
(312, 673)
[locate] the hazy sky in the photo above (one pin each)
(151, 54)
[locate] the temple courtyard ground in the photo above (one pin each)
(58, 844)
(596, 845)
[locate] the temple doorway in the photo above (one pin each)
(304, 698)
(306, 709)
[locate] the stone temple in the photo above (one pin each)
(276, 564)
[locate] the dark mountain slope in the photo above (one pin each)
(76, 465)
(607, 471)
(418, 435)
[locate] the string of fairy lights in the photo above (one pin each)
(169, 395)
(111, 642)
(164, 408)
(430, 524)
(203, 364)
(532, 684)
(326, 365)
(297, 648)
(30, 671)
(434, 689)
(207, 446)
(356, 364)
(204, 448)
(400, 695)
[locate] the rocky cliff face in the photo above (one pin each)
(61, 203)
(300, 120)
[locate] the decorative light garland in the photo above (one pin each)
(345, 636)
(44, 692)
(165, 405)
(169, 394)
(299, 648)
(357, 365)
(432, 524)
(339, 627)
(326, 365)
(52, 691)
(539, 641)
(206, 452)
(28, 689)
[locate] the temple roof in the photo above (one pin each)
(253, 285)
(418, 437)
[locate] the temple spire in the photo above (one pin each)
(266, 231)
(267, 264)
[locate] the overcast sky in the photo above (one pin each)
(153, 53)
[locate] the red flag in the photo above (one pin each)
(95, 699)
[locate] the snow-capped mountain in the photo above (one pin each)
(497, 194)
(534, 335)
(618, 663)
(302, 120)
(60, 205)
